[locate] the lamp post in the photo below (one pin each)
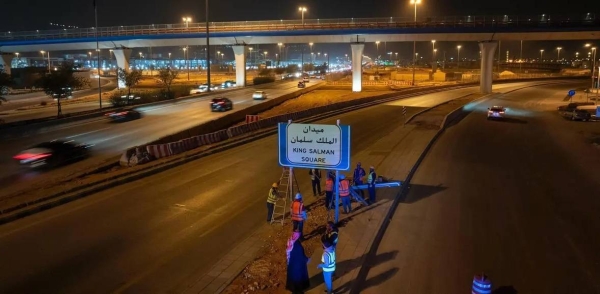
(279, 60)
(433, 49)
(18, 60)
(558, 53)
(414, 2)
(521, 58)
(207, 48)
(250, 52)
(593, 65)
(458, 57)
(90, 54)
(377, 43)
(187, 20)
(327, 55)
(185, 56)
(310, 44)
(541, 55)
(44, 52)
(302, 10)
(218, 54)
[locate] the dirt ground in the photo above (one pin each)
(267, 273)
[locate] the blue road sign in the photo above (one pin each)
(314, 146)
(571, 93)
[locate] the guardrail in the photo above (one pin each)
(543, 20)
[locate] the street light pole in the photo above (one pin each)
(521, 58)
(415, 2)
(302, 10)
(98, 52)
(558, 54)
(458, 57)
(541, 55)
(207, 50)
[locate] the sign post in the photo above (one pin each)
(315, 146)
(571, 93)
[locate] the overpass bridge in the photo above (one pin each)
(486, 30)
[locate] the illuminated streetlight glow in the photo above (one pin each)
(558, 54)
(458, 56)
(187, 20)
(541, 54)
(302, 10)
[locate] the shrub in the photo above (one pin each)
(43, 103)
(263, 80)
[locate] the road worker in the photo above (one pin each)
(359, 177)
(371, 181)
(344, 189)
(298, 214)
(271, 199)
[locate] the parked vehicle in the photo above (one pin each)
(582, 112)
(259, 95)
(53, 153)
(306, 79)
(301, 85)
(228, 84)
(221, 104)
(203, 88)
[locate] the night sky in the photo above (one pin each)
(38, 14)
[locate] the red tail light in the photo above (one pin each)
(30, 156)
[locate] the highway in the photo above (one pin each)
(10, 112)
(159, 234)
(110, 139)
(516, 199)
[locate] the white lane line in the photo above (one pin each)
(90, 132)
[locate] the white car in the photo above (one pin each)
(259, 95)
(306, 80)
(496, 112)
(203, 88)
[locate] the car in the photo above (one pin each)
(571, 106)
(130, 99)
(306, 80)
(52, 154)
(496, 112)
(301, 85)
(221, 104)
(259, 95)
(66, 93)
(203, 88)
(125, 115)
(228, 84)
(581, 112)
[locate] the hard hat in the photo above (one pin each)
(342, 176)
(372, 167)
(275, 185)
(298, 196)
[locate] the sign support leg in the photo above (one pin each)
(337, 197)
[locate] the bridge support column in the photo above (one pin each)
(240, 65)
(122, 55)
(5, 61)
(357, 53)
(487, 65)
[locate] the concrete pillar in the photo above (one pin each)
(122, 56)
(487, 65)
(5, 61)
(357, 53)
(240, 65)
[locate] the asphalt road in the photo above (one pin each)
(516, 199)
(110, 139)
(9, 112)
(159, 234)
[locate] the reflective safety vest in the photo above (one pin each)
(370, 178)
(272, 196)
(328, 260)
(329, 185)
(344, 188)
(297, 208)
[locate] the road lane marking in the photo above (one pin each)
(90, 132)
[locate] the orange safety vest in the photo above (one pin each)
(344, 188)
(329, 185)
(297, 208)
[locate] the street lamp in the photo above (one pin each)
(302, 10)
(18, 59)
(414, 2)
(90, 54)
(458, 57)
(187, 20)
(310, 44)
(218, 54)
(44, 52)
(433, 45)
(377, 43)
(279, 45)
(558, 54)
(185, 53)
(593, 65)
(327, 55)
(250, 52)
(396, 53)
(541, 55)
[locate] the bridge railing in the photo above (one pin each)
(312, 24)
